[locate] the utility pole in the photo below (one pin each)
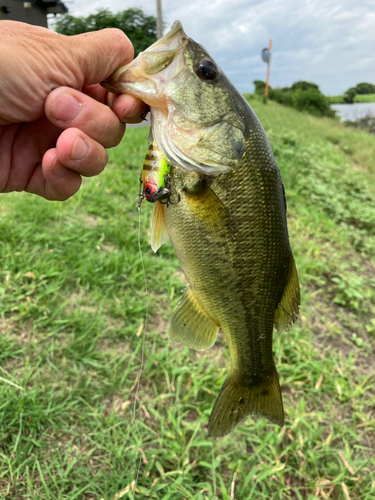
(268, 68)
(159, 19)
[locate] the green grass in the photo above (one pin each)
(364, 98)
(73, 304)
(335, 99)
(339, 99)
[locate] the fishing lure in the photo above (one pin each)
(155, 187)
(155, 176)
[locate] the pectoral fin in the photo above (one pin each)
(206, 206)
(190, 325)
(287, 311)
(159, 233)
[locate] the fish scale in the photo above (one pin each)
(227, 222)
(246, 285)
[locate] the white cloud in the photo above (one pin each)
(330, 43)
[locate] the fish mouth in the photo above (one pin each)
(161, 194)
(164, 76)
(138, 77)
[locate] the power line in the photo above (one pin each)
(159, 19)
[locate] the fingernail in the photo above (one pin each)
(80, 149)
(58, 170)
(66, 108)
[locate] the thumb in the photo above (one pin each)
(98, 54)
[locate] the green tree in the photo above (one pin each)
(304, 86)
(349, 96)
(259, 86)
(365, 88)
(140, 29)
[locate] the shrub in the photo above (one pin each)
(360, 89)
(285, 98)
(302, 85)
(312, 101)
(304, 96)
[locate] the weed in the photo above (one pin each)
(72, 303)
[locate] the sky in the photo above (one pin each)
(328, 42)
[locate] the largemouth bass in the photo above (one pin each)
(229, 227)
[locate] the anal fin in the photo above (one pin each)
(287, 311)
(237, 400)
(190, 325)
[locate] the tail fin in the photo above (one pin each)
(237, 400)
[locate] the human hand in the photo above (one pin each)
(55, 118)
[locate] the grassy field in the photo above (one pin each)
(72, 311)
(338, 99)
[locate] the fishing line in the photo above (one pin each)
(141, 453)
(214, 453)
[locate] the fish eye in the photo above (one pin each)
(150, 189)
(207, 70)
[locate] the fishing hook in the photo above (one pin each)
(167, 180)
(145, 113)
(169, 202)
(165, 193)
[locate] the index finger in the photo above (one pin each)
(129, 109)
